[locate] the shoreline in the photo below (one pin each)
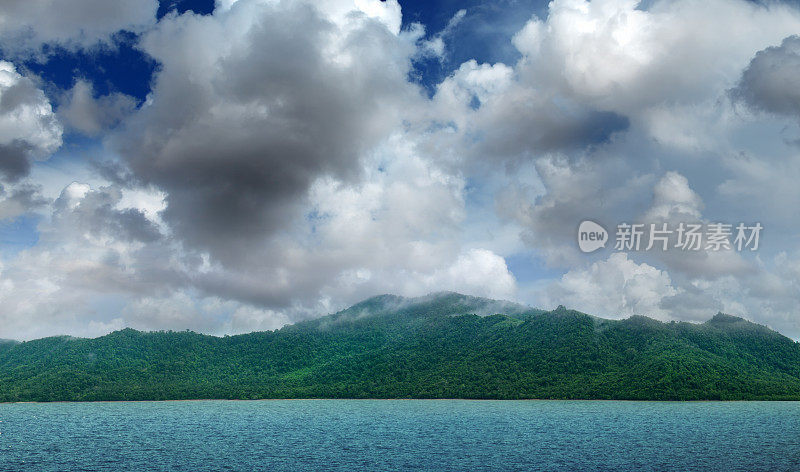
(400, 399)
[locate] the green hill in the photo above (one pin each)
(444, 345)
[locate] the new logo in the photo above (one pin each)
(591, 236)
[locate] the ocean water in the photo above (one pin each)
(381, 435)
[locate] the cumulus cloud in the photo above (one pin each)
(281, 161)
(28, 127)
(499, 118)
(592, 73)
(91, 115)
(396, 232)
(27, 25)
(19, 200)
(624, 58)
(679, 284)
(477, 271)
(605, 191)
(748, 177)
(96, 212)
(767, 294)
(664, 80)
(675, 203)
(435, 46)
(93, 253)
(673, 198)
(771, 82)
(616, 287)
(246, 113)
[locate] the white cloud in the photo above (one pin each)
(617, 287)
(673, 198)
(616, 56)
(28, 127)
(479, 272)
(472, 81)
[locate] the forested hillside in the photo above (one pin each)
(441, 346)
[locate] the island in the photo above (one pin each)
(444, 345)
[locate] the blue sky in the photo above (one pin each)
(241, 165)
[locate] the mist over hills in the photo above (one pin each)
(444, 345)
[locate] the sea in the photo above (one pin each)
(400, 435)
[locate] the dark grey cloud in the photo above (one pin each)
(235, 135)
(771, 82)
(534, 131)
(15, 159)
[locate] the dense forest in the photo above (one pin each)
(441, 346)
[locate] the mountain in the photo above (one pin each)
(6, 344)
(444, 345)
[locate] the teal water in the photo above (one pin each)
(437, 435)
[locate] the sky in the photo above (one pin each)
(239, 165)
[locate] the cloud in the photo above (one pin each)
(92, 255)
(623, 58)
(679, 284)
(397, 231)
(673, 198)
(27, 25)
(245, 113)
(14, 161)
(28, 127)
(91, 115)
(591, 71)
(606, 191)
(435, 46)
(666, 80)
(96, 212)
(771, 82)
(20, 200)
(616, 287)
(502, 119)
(767, 294)
(675, 203)
(100, 245)
(749, 175)
(477, 271)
